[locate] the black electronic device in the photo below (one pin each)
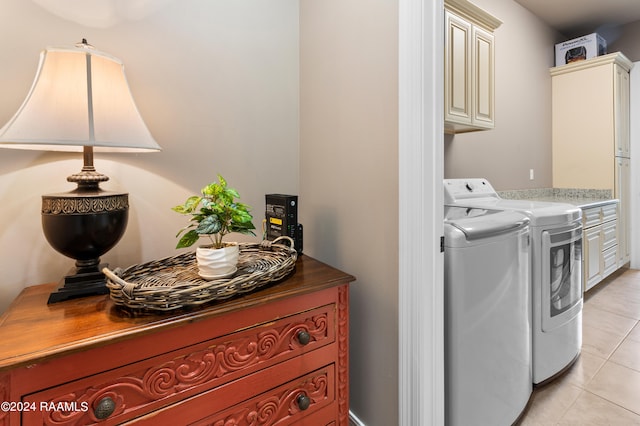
(281, 218)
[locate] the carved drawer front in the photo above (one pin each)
(284, 405)
(138, 388)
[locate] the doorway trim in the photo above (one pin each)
(421, 164)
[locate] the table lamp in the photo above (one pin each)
(80, 100)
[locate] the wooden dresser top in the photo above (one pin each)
(31, 330)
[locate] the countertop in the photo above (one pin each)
(583, 198)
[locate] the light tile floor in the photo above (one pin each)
(603, 386)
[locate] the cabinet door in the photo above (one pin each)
(623, 193)
(609, 234)
(621, 99)
(457, 73)
(582, 128)
(593, 264)
(483, 78)
(609, 261)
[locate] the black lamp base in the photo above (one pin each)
(83, 224)
(80, 284)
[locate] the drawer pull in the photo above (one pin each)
(303, 337)
(105, 408)
(303, 401)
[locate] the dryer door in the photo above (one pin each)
(561, 276)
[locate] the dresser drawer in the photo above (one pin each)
(287, 404)
(312, 374)
(166, 379)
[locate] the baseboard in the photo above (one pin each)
(354, 420)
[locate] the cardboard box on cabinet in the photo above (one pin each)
(581, 48)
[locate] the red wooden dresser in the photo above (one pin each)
(276, 356)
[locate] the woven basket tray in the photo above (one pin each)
(173, 282)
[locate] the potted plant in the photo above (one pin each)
(215, 213)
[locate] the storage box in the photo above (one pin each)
(585, 47)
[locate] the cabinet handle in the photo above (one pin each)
(303, 337)
(105, 408)
(303, 401)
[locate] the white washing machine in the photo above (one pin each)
(487, 316)
(556, 271)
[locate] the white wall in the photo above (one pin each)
(349, 179)
(521, 140)
(217, 84)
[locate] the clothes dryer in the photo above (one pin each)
(487, 316)
(556, 271)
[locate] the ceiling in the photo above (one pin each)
(574, 18)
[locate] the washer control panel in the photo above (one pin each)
(456, 190)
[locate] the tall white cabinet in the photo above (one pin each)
(590, 132)
(469, 67)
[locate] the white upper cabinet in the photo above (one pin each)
(469, 67)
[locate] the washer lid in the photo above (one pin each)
(476, 223)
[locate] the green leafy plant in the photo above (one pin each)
(215, 214)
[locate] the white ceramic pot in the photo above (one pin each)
(217, 263)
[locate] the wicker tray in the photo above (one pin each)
(173, 282)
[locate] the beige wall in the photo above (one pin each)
(521, 139)
(625, 40)
(349, 178)
(216, 82)
(228, 87)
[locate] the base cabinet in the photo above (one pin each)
(276, 356)
(600, 243)
(593, 265)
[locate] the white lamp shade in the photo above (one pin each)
(80, 97)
